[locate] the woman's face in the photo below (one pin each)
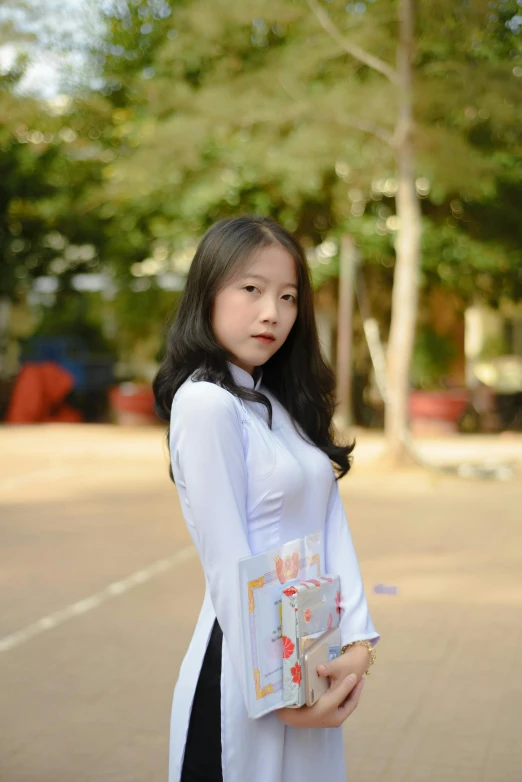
(262, 299)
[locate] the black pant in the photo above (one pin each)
(202, 759)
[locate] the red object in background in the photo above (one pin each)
(133, 404)
(39, 393)
(437, 412)
(446, 405)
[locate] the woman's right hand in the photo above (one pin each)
(330, 711)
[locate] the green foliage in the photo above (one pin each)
(48, 166)
(140, 315)
(456, 260)
(255, 108)
(252, 106)
(432, 357)
(493, 347)
(75, 314)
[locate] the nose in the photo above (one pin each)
(269, 311)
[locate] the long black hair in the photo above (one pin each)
(297, 375)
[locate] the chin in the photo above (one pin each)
(256, 358)
(253, 361)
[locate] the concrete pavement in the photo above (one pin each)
(95, 557)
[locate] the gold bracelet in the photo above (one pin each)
(370, 648)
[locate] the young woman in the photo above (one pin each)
(250, 400)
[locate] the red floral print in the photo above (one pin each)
(288, 647)
(338, 602)
(290, 591)
(307, 615)
(296, 673)
(330, 621)
(288, 568)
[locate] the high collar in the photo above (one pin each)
(243, 378)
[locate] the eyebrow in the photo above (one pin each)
(264, 279)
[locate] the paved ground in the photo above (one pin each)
(93, 555)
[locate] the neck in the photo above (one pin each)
(245, 378)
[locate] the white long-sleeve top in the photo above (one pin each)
(245, 488)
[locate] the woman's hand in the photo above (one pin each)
(355, 660)
(332, 708)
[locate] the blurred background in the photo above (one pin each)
(386, 135)
(130, 127)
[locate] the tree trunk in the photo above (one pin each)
(5, 311)
(345, 331)
(406, 276)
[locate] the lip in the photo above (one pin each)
(266, 339)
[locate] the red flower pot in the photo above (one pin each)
(133, 404)
(442, 408)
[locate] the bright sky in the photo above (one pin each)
(61, 30)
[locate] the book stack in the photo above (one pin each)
(309, 610)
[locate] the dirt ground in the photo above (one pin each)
(95, 614)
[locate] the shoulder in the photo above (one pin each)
(205, 422)
(204, 401)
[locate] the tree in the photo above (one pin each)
(274, 107)
(405, 285)
(271, 107)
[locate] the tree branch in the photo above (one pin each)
(351, 48)
(358, 123)
(367, 127)
(305, 113)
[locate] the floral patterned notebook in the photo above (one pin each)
(309, 609)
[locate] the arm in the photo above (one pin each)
(342, 697)
(209, 462)
(341, 559)
(356, 623)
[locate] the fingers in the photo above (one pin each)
(351, 703)
(330, 711)
(336, 696)
(341, 701)
(334, 668)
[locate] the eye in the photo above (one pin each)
(250, 288)
(290, 297)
